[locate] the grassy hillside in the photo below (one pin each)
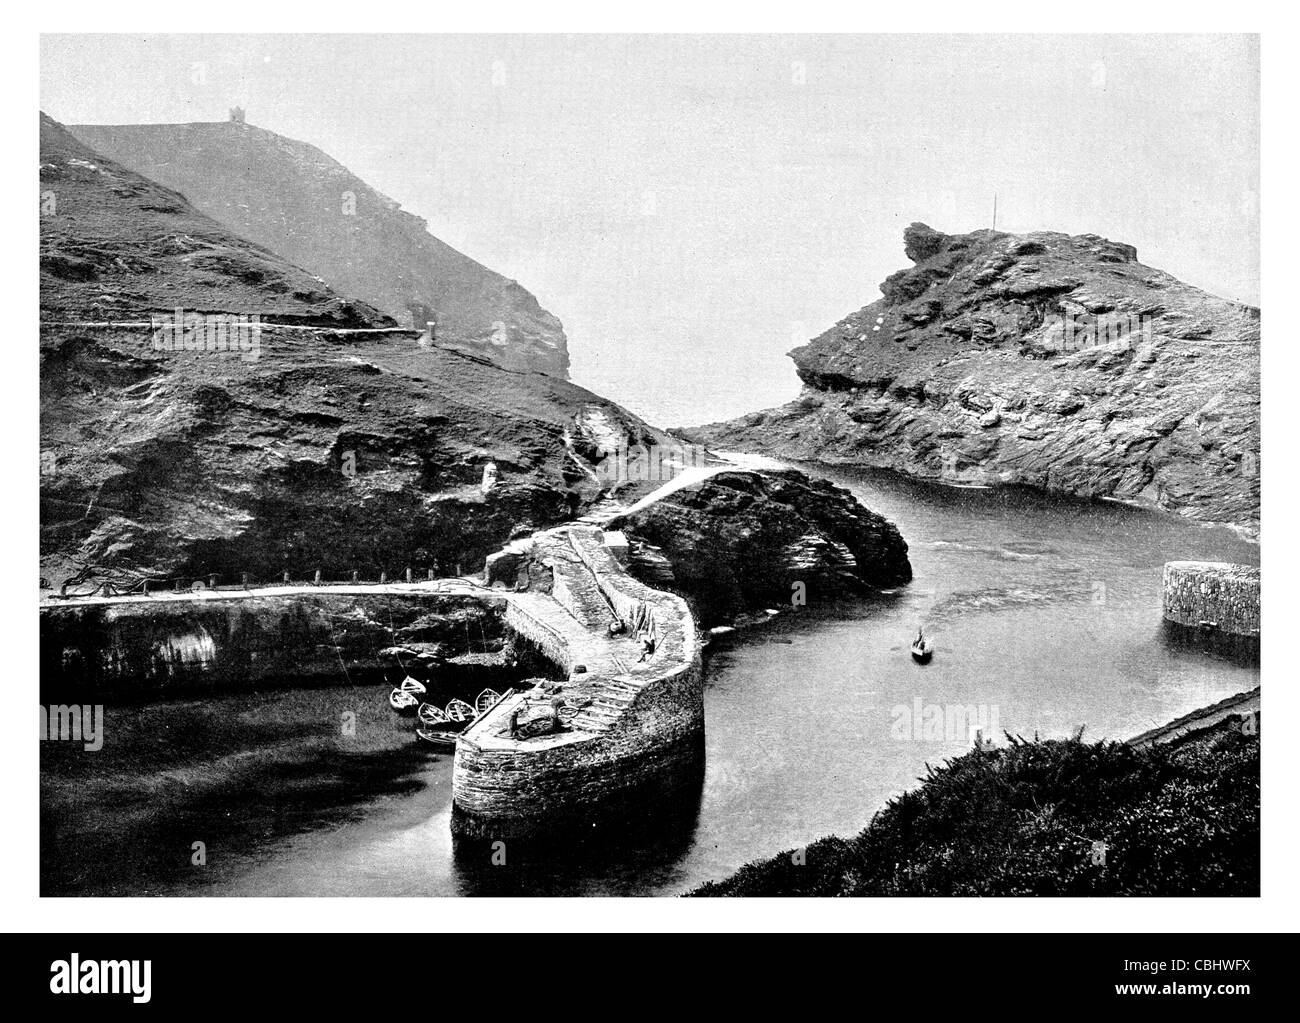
(1061, 817)
(300, 202)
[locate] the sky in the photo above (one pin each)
(692, 207)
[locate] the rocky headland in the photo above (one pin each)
(1054, 361)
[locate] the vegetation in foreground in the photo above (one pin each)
(1058, 817)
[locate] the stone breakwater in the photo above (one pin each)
(636, 726)
(1213, 596)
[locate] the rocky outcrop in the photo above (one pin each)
(321, 449)
(1043, 359)
(299, 202)
(740, 540)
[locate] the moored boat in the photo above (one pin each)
(439, 738)
(922, 648)
(403, 702)
(431, 715)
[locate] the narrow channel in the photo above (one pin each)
(1046, 614)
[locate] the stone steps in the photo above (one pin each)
(601, 513)
(587, 723)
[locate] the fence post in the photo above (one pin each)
(356, 576)
(408, 573)
(318, 577)
(383, 578)
(286, 578)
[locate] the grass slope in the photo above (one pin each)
(1023, 819)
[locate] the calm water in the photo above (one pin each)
(1046, 614)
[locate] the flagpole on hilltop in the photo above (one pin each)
(995, 211)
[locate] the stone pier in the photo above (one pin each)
(1215, 597)
(632, 717)
(633, 725)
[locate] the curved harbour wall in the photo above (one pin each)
(638, 727)
(634, 723)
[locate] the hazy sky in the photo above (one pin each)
(693, 206)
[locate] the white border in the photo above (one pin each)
(24, 911)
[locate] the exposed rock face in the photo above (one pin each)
(132, 649)
(741, 540)
(1042, 359)
(330, 450)
(304, 205)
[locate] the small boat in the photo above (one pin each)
(485, 701)
(922, 649)
(437, 737)
(459, 710)
(431, 715)
(410, 685)
(403, 702)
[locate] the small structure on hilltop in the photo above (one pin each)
(236, 115)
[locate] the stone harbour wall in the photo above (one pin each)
(1214, 596)
(651, 743)
(500, 793)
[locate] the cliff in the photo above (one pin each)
(325, 439)
(1042, 359)
(287, 445)
(299, 202)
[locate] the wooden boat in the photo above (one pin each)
(431, 715)
(439, 738)
(410, 685)
(485, 701)
(922, 650)
(459, 710)
(403, 702)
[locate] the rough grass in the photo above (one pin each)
(1023, 819)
